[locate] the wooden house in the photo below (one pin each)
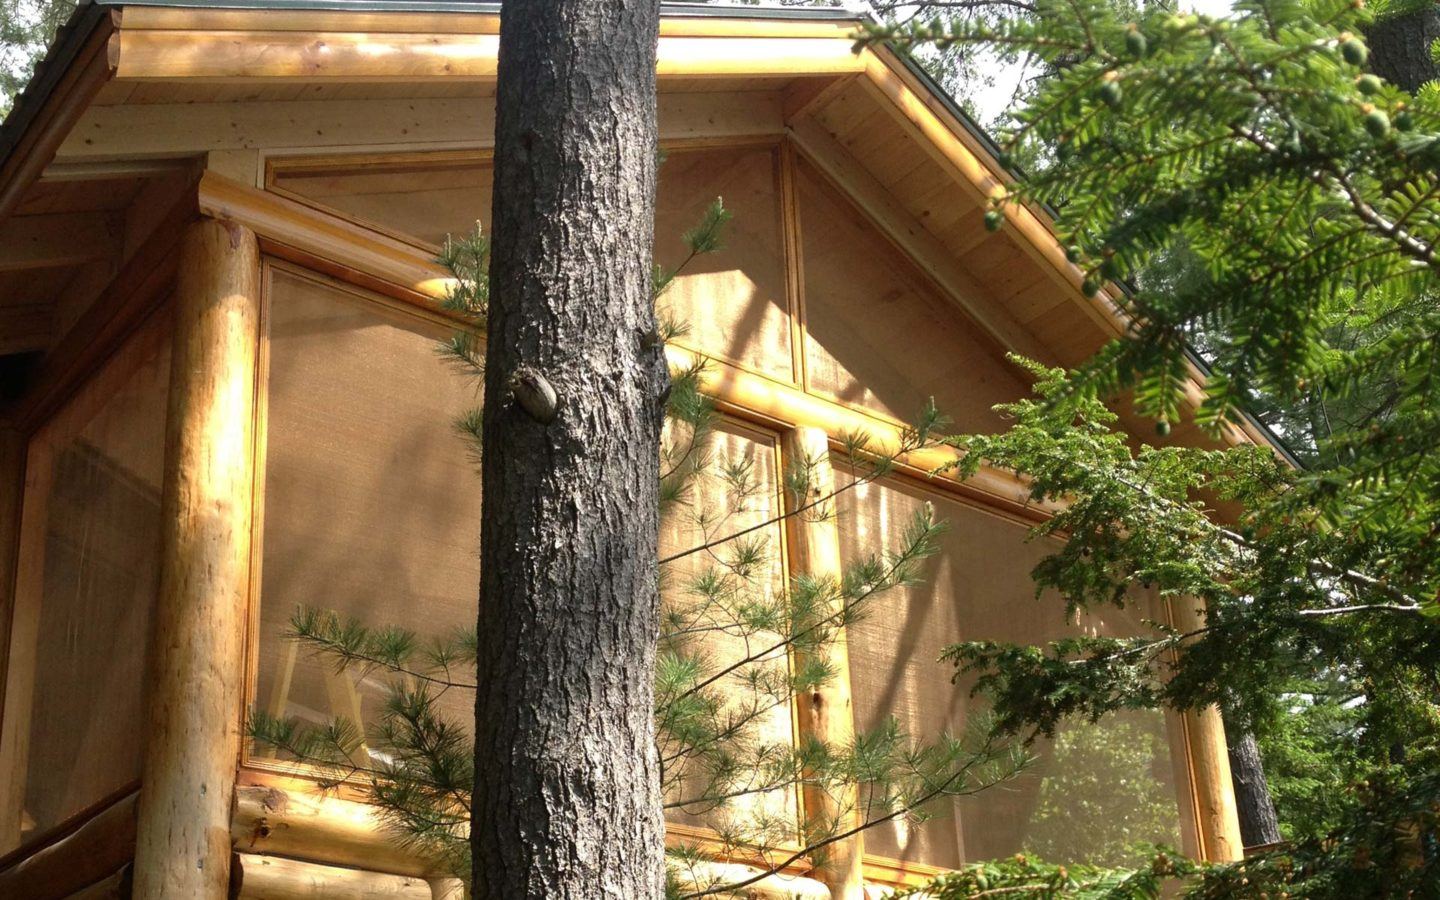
(218, 306)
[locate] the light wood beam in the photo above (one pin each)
(339, 56)
(58, 239)
(203, 19)
(825, 712)
(913, 238)
(308, 824)
(305, 823)
(277, 878)
(198, 664)
(166, 130)
(327, 243)
(1217, 817)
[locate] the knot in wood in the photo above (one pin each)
(534, 394)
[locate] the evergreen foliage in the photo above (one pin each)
(1274, 205)
(1376, 852)
(729, 633)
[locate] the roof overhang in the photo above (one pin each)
(274, 42)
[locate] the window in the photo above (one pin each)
(371, 501)
(714, 592)
(1097, 791)
(85, 592)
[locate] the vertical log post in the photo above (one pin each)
(197, 665)
(825, 713)
(1218, 818)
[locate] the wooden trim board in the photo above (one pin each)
(359, 56)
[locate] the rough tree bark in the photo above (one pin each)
(1258, 822)
(567, 796)
(1400, 47)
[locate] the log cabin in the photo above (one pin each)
(218, 306)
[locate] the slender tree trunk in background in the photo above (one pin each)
(567, 795)
(1258, 822)
(1400, 47)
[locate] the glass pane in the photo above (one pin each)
(372, 502)
(88, 575)
(733, 300)
(877, 335)
(735, 487)
(1098, 791)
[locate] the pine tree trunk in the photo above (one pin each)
(1400, 48)
(1258, 823)
(567, 794)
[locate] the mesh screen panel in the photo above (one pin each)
(86, 586)
(877, 335)
(372, 502)
(733, 301)
(1096, 791)
(421, 200)
(736, 489)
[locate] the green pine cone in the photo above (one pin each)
(1135, 43)
(1353, 51)
(1377, 123)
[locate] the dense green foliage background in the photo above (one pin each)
(1271, 203)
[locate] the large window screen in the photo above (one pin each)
(1098, 792)
(877, 335)
(371, 498)
(88, 575)
(712, 591)
(733, 302)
